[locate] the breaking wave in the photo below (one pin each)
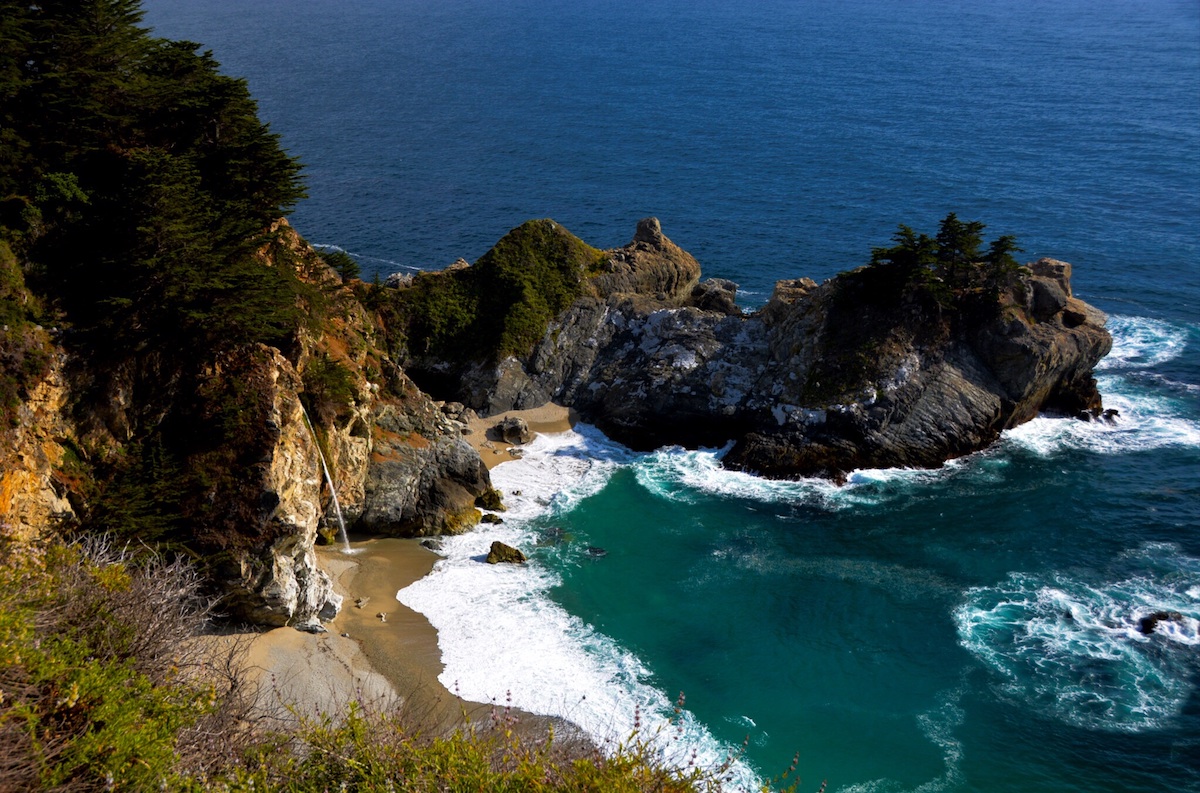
(1082, 651)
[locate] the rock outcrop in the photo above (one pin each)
(514, 430)
(219, 455)
(500, 553)
(648, 274)
(35, 461)
(271, 576)
(864, 370)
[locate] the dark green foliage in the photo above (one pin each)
(343, 263)
(137, 187)
(196, 478)
(958, 247)
(24, 350)
(328, 390)
(441, 312)
(141, 495)
(503, 304)
(952, 260)
(136, 180)
(913, 292)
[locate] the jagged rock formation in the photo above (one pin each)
(35, 463)
(865, 370)
(271, 576)
(649, 273)
(226, 456)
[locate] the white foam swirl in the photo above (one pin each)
(503, 638)
(1142, 342)
(1079, 651)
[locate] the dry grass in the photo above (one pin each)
(103, 688)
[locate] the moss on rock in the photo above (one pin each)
(503, 304)
(491, 500)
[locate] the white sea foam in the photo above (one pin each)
(1141, 342)
(322, 246)
(1155, 411)
(1074, 649)
(683, 475)
(557, 470)
(503, 638)
(1146, 422)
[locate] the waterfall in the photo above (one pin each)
(337, 508)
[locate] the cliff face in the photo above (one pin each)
(861, 371)
(219, 456)
(269, 572)
(399, 466)
(35, 476)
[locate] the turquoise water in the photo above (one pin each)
(968, 629)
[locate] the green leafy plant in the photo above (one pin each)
(328, 389)
(342, 262)
(92, 667)
(503, 304)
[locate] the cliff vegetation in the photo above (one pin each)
(102, 691)
(175, 359)
(500, 306)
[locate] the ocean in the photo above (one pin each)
(971, 628)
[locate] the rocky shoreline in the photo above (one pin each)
(888, 365)
(865, 370)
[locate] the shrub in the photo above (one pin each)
(380, 751)
(503, 304)
(342, 262)
(328, 389)
(92, 667)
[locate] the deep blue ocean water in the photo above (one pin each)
(967, 629)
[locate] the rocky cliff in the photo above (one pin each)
(221, 457)
(883, 366)
(217, 453)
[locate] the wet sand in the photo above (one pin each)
(393, 661)
(402, 645)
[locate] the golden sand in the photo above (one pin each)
(393, 660)
(492, 448)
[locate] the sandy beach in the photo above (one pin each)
(387, 662)
(492, 448)
(393, 660)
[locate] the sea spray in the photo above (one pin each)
(1078, 650)
(1153, 411)
(502, 635)
(337, 508)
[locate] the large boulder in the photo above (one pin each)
(514, 430)
(504, 554)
